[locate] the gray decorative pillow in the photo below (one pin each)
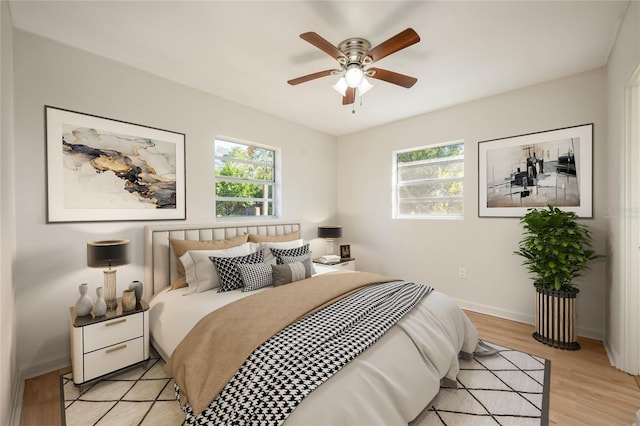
(294, 259)
(255, 275)
(298, 251)
(227, 269)
(290, 272)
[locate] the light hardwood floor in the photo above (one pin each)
(585, 389)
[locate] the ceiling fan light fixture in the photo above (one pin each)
(354, 75)
(341, 86)
(365, 86)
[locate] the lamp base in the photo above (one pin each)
(330, 245)
(110, 289)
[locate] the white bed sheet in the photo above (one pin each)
(174, 312)
(376, 388)
(393, 381)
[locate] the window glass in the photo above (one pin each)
(428, 182)
(244, 179)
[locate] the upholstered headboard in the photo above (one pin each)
(159, 261)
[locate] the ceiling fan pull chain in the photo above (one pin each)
(353, 105)
(359, 96)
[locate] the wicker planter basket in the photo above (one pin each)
(557, 318)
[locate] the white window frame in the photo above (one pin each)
(396, 185)
(277, 175)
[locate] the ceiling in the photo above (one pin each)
(245, 51)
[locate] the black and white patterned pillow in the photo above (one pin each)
(227, 269)
(298, 251)
(256, 275)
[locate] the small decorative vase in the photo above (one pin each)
(99, 306)
(84, 304)
(136, 286)
(128, 300)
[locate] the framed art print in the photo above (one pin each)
(345, 251)
(535, 170)
(100, 169)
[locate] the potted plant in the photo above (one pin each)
(557, 249)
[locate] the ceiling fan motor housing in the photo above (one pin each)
(355, 51)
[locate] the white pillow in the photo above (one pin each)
(200, 271)
(268, 245)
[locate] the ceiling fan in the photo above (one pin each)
(354, 55)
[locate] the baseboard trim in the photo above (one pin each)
(16, 410)
(614, 359)
(495, 312)
(47, 367)
(29, 373)
(520, 317)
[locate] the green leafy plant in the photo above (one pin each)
(556, 248)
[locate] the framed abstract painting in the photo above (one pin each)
(101, 169)
(535, 170)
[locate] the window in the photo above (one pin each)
(428, 181)
(245, 179)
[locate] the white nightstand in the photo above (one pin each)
(343, 265)
(103, 345)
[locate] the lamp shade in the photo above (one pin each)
(107, 253)
(329, 231)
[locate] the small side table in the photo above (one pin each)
(106, 344)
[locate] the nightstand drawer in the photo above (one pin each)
(345, 266)
(113, 358)
(108, 333)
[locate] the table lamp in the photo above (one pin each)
(329, 233)
(108, 253)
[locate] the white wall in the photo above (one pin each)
(8, 344)
(431, 251)
(51, 258)
(624, 59)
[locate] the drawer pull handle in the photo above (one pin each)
(120, 321)
(116, 348)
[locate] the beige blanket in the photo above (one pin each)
(217, 346)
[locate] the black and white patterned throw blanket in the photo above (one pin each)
(277, 376)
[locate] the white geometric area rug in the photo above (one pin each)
(501, 386)
(136, 396)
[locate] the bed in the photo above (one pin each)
(389, 382)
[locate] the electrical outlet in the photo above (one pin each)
(462, 272)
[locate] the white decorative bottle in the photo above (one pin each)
(84, 304)
(100, 306)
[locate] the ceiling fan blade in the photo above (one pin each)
(322, 44)
(392, 77)
(310, 77)
(349, 97)
(398, 42)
